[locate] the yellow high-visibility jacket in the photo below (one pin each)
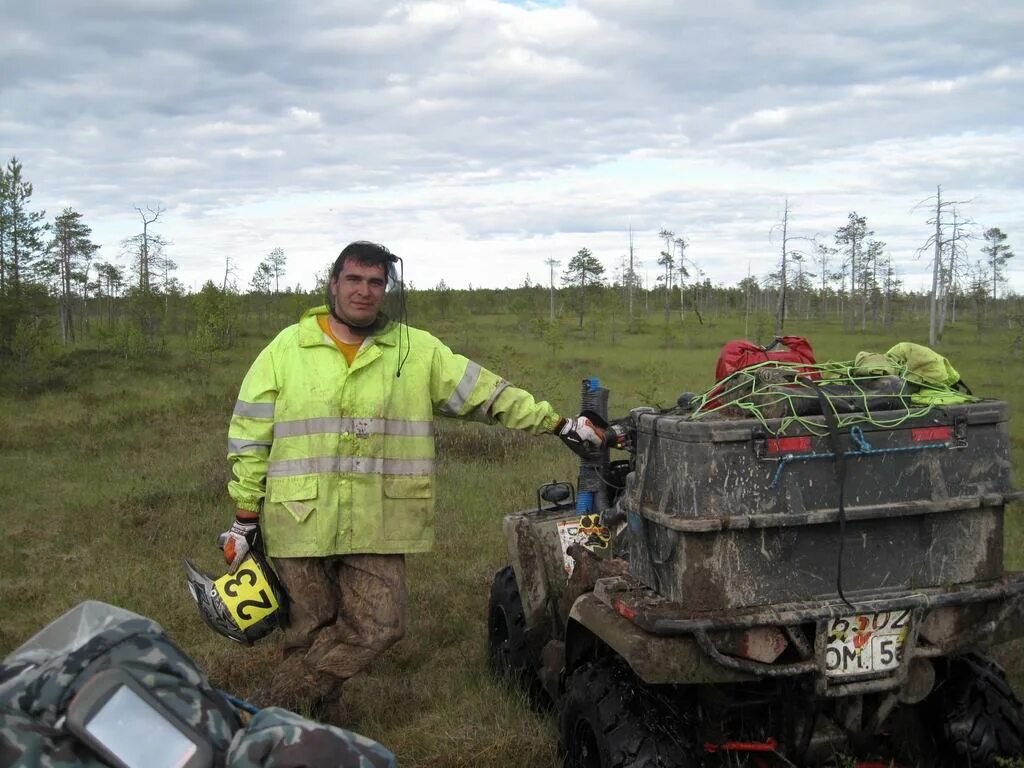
(341, 459)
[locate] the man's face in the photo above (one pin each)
(359, 292)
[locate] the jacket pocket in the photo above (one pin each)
(295, 494)
(409, 509)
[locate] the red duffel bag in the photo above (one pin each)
(739, 354)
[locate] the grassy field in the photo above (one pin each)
(107, 483)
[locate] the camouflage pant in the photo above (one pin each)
(345, 611)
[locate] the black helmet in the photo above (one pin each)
(245, 605)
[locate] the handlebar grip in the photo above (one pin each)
(615, 436)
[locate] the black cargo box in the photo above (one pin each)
(737, 513)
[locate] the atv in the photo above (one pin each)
(811, 590)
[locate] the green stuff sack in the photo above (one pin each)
(935, 375)
(924, 366)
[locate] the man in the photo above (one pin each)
(332, 450)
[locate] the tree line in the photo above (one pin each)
(57, 290)
(849, 275)
(55, 287)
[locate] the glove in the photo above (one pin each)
(237, 540)
(581, 434)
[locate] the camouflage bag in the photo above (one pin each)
(277, 738)
(40, 678)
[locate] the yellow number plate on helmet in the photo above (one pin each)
(246, 594)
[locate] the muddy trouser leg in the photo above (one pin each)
(345, 611)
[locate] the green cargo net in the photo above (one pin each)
(780, 395)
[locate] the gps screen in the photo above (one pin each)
(137, 734)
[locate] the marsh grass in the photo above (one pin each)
(107, 482)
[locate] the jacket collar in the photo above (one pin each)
(311, 335)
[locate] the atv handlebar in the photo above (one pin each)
(616, 436)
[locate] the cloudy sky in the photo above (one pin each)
(479, 138)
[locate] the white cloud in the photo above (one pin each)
(773, 119)
(304, 117)
(228, 128)
(250, 153)
(167, 164)
(520, 130)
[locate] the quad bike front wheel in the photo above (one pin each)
(608, 720)
(979, 717)
(508, 654)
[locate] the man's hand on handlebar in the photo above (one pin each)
(580, 433)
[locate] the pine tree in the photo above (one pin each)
(69, 252)
(275, 262)
(852, 236)
(584, 270)
(22, 228)
(5, 226)
(109, 284)
(260, 282)
(997, 253)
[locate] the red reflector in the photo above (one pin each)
(624, 610)
(789, 445)
(743, 746)
(931, 434)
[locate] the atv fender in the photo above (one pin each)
(538, 561)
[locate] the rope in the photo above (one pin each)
(789, 457)
(744, 392)
(840, 468)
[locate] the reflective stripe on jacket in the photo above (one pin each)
(342, 458)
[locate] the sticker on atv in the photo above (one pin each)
(866, 642)
(569, 533)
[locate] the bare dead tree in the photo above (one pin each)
(667, 261)
(781, 308)
(552, 262)
(822, 257)
(631, 279)
(149, 216)
(937, 242)
(684, 273)
(230, 271)
(957, 265)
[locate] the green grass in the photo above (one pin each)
(109, 482)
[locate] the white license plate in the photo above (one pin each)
(865, 643)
